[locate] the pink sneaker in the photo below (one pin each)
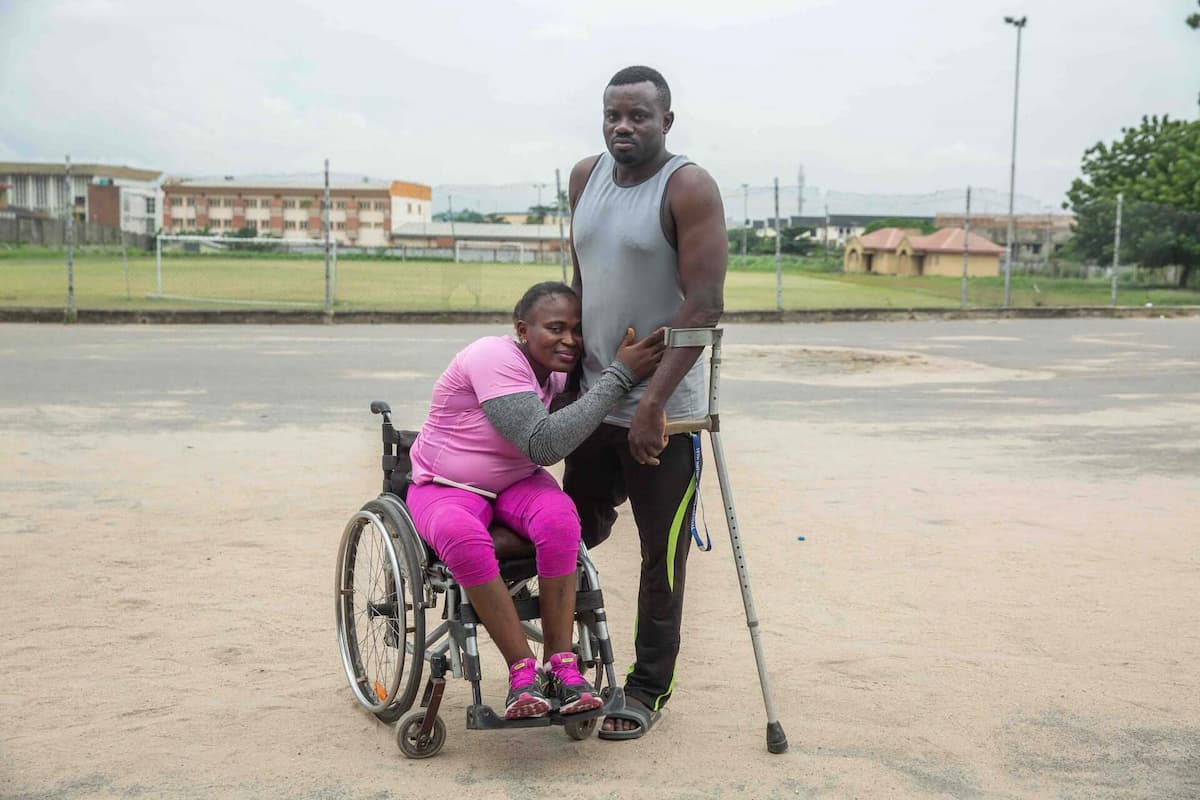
(526, 691)
(575, 694)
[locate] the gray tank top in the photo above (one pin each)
(630, 278)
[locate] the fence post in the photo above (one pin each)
(328, 265)
(826, 231)
(562, 253)
(453, 236)
(966, 247)
(124, 262)
(745, 220)
(778, 253)
(70, 245)
(1117, 247)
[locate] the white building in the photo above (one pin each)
(107, 195)
(411, 202)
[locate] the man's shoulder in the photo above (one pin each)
(692, 192)
(579, 176)
(690, 176)
(585, 164)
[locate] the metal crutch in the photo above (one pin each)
(711, 337)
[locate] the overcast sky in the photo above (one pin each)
(871, 97)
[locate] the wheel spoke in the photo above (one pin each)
(378, 612)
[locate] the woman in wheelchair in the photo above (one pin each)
(480, 458)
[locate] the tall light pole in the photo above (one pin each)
(539, 187)
(1019, 24)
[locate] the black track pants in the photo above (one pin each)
(599, 476)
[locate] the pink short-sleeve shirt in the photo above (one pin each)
(457, 441)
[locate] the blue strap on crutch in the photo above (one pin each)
(706, 544)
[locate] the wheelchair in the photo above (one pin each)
(399, 610)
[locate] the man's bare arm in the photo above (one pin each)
(579, 177)
(695, 205)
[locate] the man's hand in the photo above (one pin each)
(647, 434)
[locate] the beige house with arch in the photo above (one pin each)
(900, 251)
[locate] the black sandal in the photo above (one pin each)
(633, 712)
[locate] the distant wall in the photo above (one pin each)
(52, 233)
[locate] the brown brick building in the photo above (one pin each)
(360, 212)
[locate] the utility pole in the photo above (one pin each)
(800, 191)
(1019, 24)
(966, 248)
(539, 187)
(562, 249)
(70, 245)
(745, 219)
(1117, 246)
(778, 253)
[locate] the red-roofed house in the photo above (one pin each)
(900, 251)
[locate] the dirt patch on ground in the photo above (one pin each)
(851, 366)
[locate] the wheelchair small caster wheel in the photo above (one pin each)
(580, 729)
(412, 743)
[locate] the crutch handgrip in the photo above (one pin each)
(675, 426)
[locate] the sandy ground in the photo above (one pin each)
(992, 603)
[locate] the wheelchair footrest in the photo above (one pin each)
(484, 718)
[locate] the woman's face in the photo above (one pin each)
(551, 333)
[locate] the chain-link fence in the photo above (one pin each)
(1143, 243)
(792, 246)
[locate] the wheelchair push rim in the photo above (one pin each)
(375, 618)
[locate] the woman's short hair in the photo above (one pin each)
(537, 292)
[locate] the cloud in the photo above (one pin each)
(511, 91)
(559, 31)
(89, 11)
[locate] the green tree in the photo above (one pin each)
(795, 241)
(1156, 166)
(925, 226)
(459, 216)
(537, 214)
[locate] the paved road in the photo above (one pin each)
(957, 374)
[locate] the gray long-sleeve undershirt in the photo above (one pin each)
(548, 438)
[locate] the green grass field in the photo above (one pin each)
(40, 280)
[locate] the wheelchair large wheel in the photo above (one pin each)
(380, 609)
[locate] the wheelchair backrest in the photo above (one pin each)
(400, 477)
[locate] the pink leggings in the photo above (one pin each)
(455, 524)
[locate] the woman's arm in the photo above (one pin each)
(548, 438)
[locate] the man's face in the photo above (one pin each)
(635, 125)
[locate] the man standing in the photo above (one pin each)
(650, 249)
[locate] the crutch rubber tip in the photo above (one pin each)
(776, 738)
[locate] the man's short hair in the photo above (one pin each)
(641, 75)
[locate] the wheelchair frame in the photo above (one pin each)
(412, 581)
